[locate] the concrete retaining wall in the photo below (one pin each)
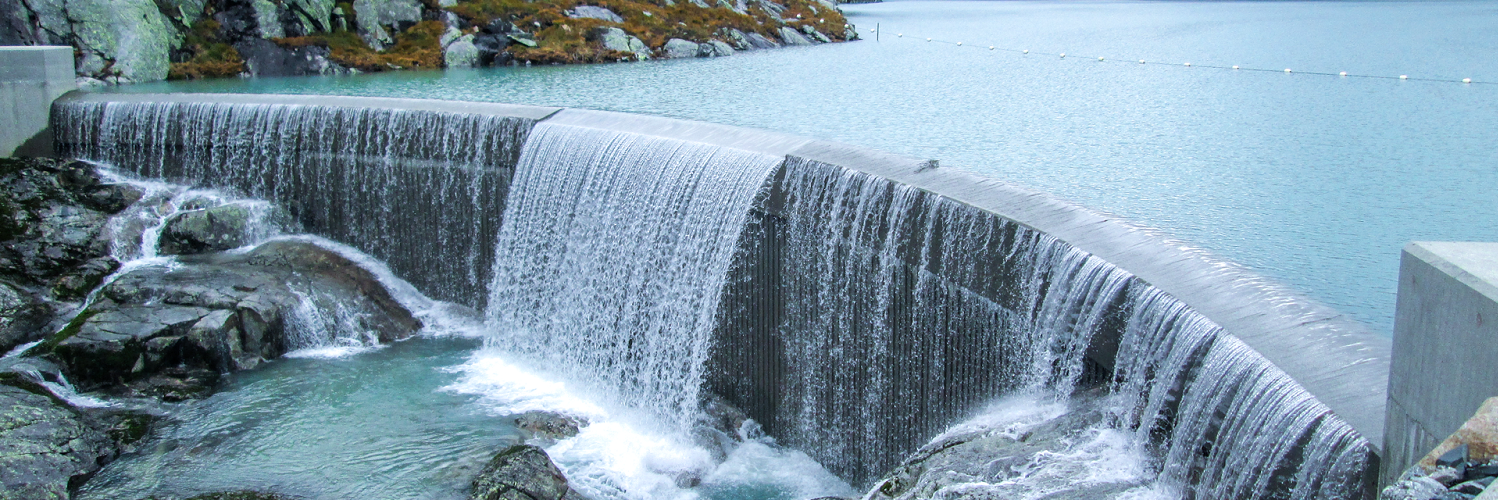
(1445, 358)
(30, 79)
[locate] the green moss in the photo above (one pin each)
(209, 56)
(419, 47)
(67, 332)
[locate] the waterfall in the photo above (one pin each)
(389, 181)
(901, 312)
(613, 257)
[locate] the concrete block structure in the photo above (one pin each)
(1444, 362)
(31, 77)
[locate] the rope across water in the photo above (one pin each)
(1104, 59)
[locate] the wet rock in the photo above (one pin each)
(167, 333)
(76, 283)
(591, 12)
(1447, 476)
(1470, 487)
(791, 37)
(23, 318)
(548, 425)
(51, 218)
(521, 472)
(678, 48)
(266, 58)
(1416, 488)
(219, 228)
(715, 48)
(45, 445)
(759, 41)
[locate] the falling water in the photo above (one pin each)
(613, 257)
(388, 181)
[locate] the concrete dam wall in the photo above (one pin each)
(859, 302)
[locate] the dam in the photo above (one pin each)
(853, 302)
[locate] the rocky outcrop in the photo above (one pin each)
(219, 228)
(48, 446)
(522, 472)
(591, 12)
(168, 332)
(52, 250)
(117, 40)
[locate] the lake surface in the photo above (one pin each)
(1314, 180)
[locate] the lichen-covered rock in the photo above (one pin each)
(45, 445)
(521, 472)
(461, 53)
(678, 48)
(791, 37)
(591, 12)
(715, 48)
(759, 41)
(814, 34)
(374, 16)
(130, 37)
(219, 228)
(617, 40)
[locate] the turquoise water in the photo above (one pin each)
(1314, 180)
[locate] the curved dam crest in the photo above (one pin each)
(924, 261)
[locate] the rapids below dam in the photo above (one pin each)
(628, 269)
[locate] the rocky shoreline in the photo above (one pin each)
(128, 41)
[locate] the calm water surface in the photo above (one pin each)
(1313, 180)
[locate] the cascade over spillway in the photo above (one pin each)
(895, 313)
(853, 302)
(421, 189)
(614, 255)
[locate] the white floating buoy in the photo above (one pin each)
(928, 39)
(1063, 55)
(990, 47)
(1026, 51)
(1466, 80)
(1141, 61)
(1287, 70)
(1404, 77)
(1235, 66)
(1344, 73)
(1188, 64)
(899, 35)
(873, 30)
(959, 43)
(1099, 58)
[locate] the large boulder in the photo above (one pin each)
(678, 48)
(376, 16)
(791, 37)
(521, 472)
(617, 40)
(591, 12)
(461, 53)
(167, 332)
(214, 229)
(116, 38)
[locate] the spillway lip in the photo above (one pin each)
(1339, 361)
(441, 106)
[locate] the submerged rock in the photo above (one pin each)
(548, 425)
(522, 472)
(168, 332)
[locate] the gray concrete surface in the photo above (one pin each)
(30, 79)
(1445, 358)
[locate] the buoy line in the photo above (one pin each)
(1288, 71)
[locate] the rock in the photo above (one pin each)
(1479, 434)
(549, 425)
(265, 58)
(491, 48)
(617, 40)
(1447, 476)
(591, 12)
(75, 284)
(240, 495)
(1470, 488)
(850, 32)
(50, 220)
(521, 472)
(451, 35)
(168, 332)
(374, 16)
(759, 41)
(792, 37)
(715, 48)
(678, 48)
(523, 39)
(23, 318)
(812, 32)
(737, 6)
(130, 37)
(45, 445)
(462, 53)
(219, 228)
(1417, 488)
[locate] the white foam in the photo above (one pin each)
(504, 388)
(1009, 416)
(332, 351)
